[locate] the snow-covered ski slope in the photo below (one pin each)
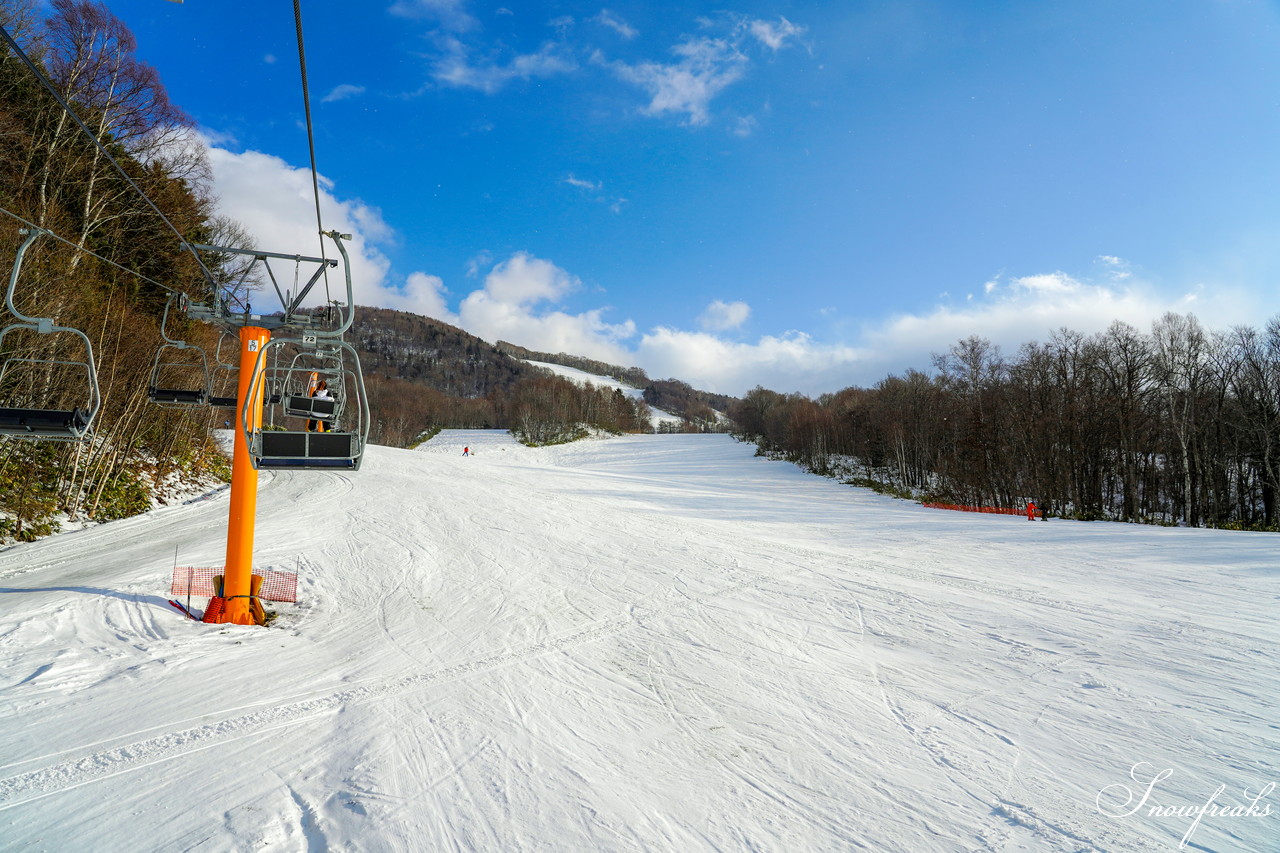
(645, 643)
(656, 416)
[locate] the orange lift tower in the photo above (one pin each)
(237, 578)
(303, 330)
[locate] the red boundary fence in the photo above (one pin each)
(992, 510)
(276, 586)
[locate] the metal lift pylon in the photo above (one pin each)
(238, 578)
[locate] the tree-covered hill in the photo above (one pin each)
(400, 345)
(423, 374)
(54, 177)
(697, 408)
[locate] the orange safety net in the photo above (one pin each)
(276, 586)
(993, 510)
(213, 613)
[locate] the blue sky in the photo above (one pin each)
(802, 195)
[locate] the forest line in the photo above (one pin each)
(1180, 425)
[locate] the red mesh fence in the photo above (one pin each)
(276, 586)
(993, 510)
(213, 613)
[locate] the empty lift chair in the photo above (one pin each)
(44, 413)
(170, 385)
(224, 369)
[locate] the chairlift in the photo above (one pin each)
(169, 386)
(222, 367)
(342, 446)
(50, 422)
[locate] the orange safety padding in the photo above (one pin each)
(214, 612)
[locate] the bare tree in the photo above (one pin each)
(1180, 363)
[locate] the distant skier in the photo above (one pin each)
(466, 451)
(1031, 511)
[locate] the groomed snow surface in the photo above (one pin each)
(644, 643)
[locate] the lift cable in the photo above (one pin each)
(311, 137)
(44, 80)
(91, 253)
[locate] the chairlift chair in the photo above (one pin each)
(166, 387)
(47, 423)
(223, 367)
(300, 449)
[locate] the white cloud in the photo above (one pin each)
(455, 68)
(510, 307)
(705, 68)
(1027, 308)
(594, 190)
(613, 22)
(449, 14)
(273, 201)
(789, 362)
(722, 316)
(745, 126)
(1056, 282)
(771, 35)
(583, 184)
(523, 279)
(220, 138)
(475, 264)
(1118, 269)
(342, 92)
(1031, 307)
(422, 294)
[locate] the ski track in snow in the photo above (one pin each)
(649, 643)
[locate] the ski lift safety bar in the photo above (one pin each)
(220, 313)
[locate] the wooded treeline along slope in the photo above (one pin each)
(1178, 425)
(54, 177)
